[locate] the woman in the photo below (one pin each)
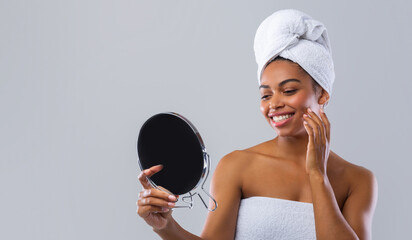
(292, 186)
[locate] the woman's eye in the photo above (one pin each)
(263, 97)
(290, 91)
(287, 92)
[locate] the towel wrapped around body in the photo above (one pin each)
(262, 218)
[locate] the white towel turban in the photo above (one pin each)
(294, 35)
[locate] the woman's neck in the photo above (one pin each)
(292, 147)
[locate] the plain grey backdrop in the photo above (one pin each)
(78, 78)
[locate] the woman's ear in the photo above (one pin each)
(324, 97)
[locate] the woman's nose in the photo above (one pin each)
(275, 102)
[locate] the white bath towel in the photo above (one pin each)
(295, 35)
(263, 218)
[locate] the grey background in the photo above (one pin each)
(78, 78)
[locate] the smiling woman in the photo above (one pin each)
(284, 81)
(292, 186)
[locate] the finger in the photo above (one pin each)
(144, 211)
(323, 129)
(148, 173)
(167, 191)
(151, 171)
(153, 192)
(171, 196)
(310, 132)
(314, 127)
(320, 133)
(155, 202)
(326, 122)
(144, 181)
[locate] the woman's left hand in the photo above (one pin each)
(318, 148)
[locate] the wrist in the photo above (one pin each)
(170, 225)
(317, 175)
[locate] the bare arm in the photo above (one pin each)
(360, 206)
(355, 221)
(174, 231)
(226, 186)
(220, 224)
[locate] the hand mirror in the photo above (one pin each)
(171, 140)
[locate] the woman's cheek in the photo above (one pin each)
(263, 108)
(300, 101)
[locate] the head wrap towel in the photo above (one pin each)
(294, 35)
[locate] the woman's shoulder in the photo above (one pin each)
(236, 158)
(362, 186)
(239, 156)
(338, 167)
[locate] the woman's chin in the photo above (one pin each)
(290, 132)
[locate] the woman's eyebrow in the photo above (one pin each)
(282, 83)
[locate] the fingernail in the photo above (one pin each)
(305, 115)
(172, 204)
(309, 110)
(165, 209)
(321, 110)
(172, 198)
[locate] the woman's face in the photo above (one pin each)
(286, 89)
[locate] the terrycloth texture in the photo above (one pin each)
(266, 218)
(295, 35)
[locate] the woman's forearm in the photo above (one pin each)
(173, 231)
(329, 221)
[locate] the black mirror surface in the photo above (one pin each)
(171, 140)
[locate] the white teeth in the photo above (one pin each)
(281, 118)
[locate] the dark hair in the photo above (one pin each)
(315, 85)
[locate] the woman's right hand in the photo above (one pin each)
(154, 205)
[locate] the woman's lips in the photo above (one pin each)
(281, 123)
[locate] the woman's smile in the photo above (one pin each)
(279, 121)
